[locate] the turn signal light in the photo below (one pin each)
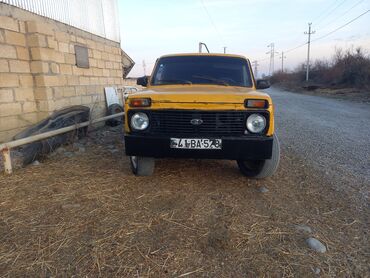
(256, 103)
(140, 102)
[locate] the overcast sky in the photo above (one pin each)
(151, 28)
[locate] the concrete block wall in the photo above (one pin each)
(38, 72)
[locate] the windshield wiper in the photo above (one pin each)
(175, 81)
(218, 81)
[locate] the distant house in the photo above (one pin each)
(55, 54)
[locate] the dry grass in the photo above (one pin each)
(88, 216)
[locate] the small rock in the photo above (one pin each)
(316, 245)
(77, 145)
(303, 228)
(263, 189)
(111, 146)
(316, 270)
(60, 150)
(81, 149)
(68, 154)
(114, 151)
(35, 163)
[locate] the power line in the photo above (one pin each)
(321, 14)
(263, 59)
(319, 38)
(294, 48)
(336, 7)
(303, 44)
(346, 12)
(344, 25)
(212, 22)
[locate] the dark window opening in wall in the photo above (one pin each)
(82, 57)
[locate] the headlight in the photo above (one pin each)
(139, 121)
(256, 123)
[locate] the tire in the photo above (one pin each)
(260, 169)
(142, 166)
(59, 119)
(114, 109)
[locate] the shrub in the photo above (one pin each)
(350, 68)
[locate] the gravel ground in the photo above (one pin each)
(81, 212)
(331, 135)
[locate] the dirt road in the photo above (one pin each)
(332, 135)
(83, 213)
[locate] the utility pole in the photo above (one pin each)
(272, 57)
(144, 67)
(255, 64)
(282, 57)
(309, 33)
(225, 49)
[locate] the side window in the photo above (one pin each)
(160, 72)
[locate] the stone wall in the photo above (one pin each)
(38, 72)
(130, 82)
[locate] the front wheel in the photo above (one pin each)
(260, 169)
(142, 166)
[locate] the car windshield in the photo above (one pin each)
(216, 70)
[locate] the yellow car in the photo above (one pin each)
(202, 106)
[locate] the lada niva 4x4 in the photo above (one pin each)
(202, 106)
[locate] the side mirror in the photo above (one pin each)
(142, 81)
(262, 84)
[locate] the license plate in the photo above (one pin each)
(196, 143)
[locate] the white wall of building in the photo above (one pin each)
(99, 17)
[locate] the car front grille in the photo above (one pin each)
(212, 122)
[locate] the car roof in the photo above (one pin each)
(204, 54)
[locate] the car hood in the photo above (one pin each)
(190, 94)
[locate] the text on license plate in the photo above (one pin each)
(196, 143)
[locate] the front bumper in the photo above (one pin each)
(233, 148)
